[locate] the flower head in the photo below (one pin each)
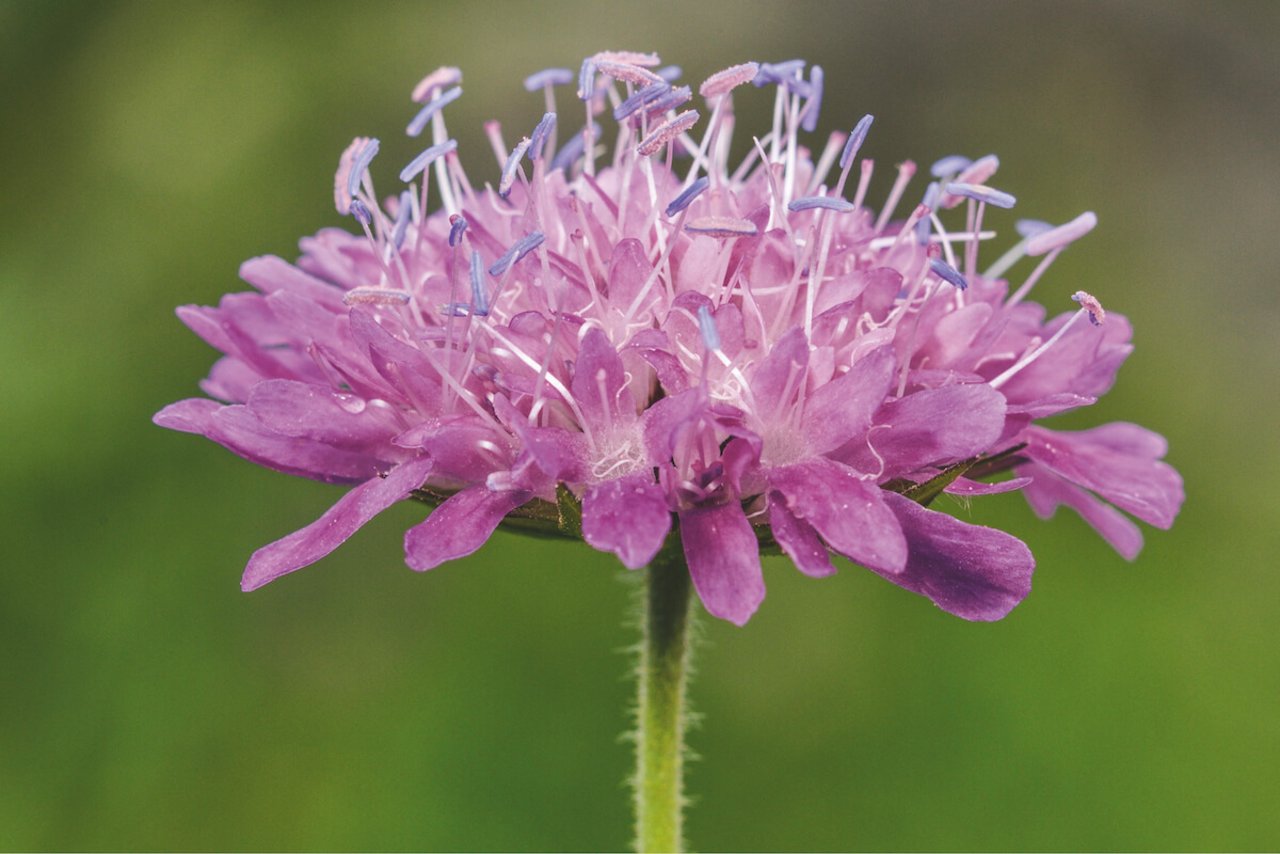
(631, 342)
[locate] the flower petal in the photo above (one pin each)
(841, 409)
(847, 511)
(798, 539)
(724, 560)
(459, 526)
(973, 572)
(627, 516)
(1046, 491)
(600, 382)
(339, 522)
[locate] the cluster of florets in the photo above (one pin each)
(648, 347)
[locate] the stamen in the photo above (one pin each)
(666, 132)
(930, 202)
(360, 164)
(376, 296)
(686, 198)
(547, 77)
(672, 100)
(723, 82)
(640, 98)
(949, 165)
(1097, 316)
(540, 134)
(1063, 235)
(457, 225)
(587, 79)
(831, 203)
(509, 170)
(436, 105)
(573, 148)
(976, 172)
(403, 215)
(945, 271)
(444, 76)
(775, 72)
(426, 158)
(809, 116)
(982, 193)
(630, 57)
(341, 195)
(670, 73)
(856, 137)
(479, 296)
(707, 326)
(361, 212)
(628, 73)
(721, 226)
(518, 250)
(1030, 227)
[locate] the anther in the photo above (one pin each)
(440, 78)
(723, 82)
(361, 212)
(628, 73)
(1097, 316)
(341, 195)
(721, 226)
(707, 326)
(666, 132)
(360, 164)
(809, 116)
(1060, 237)
(403, 215)
(641, 98)
(457, 225)
(686, 198)
(376, 296)
(518, 250)
(947, 166)
(434, 106)
(831, 203)
(946, 272)
(548, 77)
(1028, 228)
(479, 296)
(856, 138)
(426, 158)
(539, 136)
(982, 193)
(509, 170)
(775, 72)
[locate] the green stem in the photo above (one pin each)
(664, 659)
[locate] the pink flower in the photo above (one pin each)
(659, 341)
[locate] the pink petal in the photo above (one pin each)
(973, 572)
(600, 382)
(842, 409)
(724, 560)
(459, 526)
(847, 511)
(798, 539)
(1047, 491)
(780, 376)
(627, 516)
(353, 510)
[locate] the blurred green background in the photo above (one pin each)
(148, 148)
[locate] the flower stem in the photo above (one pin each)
(660, 716)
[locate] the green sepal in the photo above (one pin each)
(570, 512)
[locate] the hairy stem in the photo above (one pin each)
(660, 716)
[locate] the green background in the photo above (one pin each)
(146, 149)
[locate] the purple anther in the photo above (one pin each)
(686, 198)
(436, 105)
(1030, 227)
(456, 309)
(509, 170)
(361, 212)
(947, 273)
(548, 77)
(856, 137)
(360, 164)
(631, 57)
(979, 170)
(672, 100)
(666, 132)
(479, 296)
(1057, 238)
(628, 73)
(723, 82)
(930, 201)
(982, 193)
(670, 73)
(571, 150)
(949, 165)
(444, 76)
(721, 226)
(518, 250)
(540, 133)
(426, 158)
(587, 79)
(707, 326)
(809, 117)
(341, 195)
(831, 203)
(403, 215)
(776, 72)
(640, 98)
(457, 225)
(376, 296)
(1090, 304)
